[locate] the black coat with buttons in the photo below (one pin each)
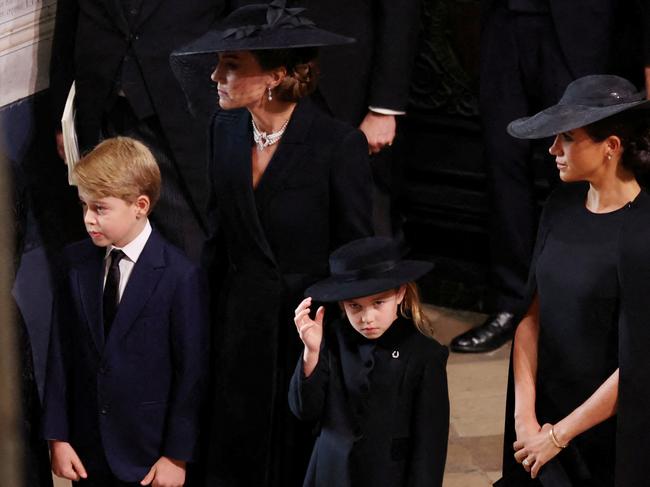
(382, 406)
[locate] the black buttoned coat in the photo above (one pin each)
(314, 196)
(382, 406)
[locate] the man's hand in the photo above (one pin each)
(379, 129)
(66, 462)
(60, 149)
(166, 472)
(647, 82)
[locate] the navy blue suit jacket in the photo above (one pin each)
(138, 393)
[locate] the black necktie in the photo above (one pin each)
(111, 290)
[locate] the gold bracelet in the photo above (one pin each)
(551, 435)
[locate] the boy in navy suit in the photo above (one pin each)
(128, 357)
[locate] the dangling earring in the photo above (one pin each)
(609, 156)
(270, 94)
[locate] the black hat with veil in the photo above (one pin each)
(249, 28)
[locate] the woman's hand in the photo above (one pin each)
(534, 451)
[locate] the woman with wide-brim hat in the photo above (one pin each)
(288, 185)
(569, 354)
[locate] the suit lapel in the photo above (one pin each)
(90, 282)
(290, 154)
(143, 281)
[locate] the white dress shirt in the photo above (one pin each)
(132, 252)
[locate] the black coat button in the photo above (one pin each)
(104, 410)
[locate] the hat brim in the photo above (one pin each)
(562, 118)
(214, 41)
(337, 289)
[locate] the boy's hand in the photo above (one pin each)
(166, 472)
(66, 462)
(310, 331)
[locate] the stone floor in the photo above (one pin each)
(477, 385)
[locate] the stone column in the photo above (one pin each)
(10, 441)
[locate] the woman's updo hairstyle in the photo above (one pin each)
(633, 128)
(302, 70)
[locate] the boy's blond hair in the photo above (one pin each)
(120, 167)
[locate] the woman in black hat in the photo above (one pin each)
(289, 184)
(375, 384)
(571, 350)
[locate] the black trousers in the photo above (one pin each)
(522, 71)
(175, 215)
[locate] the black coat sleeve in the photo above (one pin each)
(307, 394)
(396, 32)
(430, 424)
(62, 59)
(351, 190)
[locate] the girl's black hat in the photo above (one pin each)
(364, 267)
(586, 100)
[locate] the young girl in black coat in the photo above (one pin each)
(376, 385)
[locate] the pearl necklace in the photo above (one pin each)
(263, 140)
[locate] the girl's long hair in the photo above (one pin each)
(411, 308)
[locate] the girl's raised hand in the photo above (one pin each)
(310, 331)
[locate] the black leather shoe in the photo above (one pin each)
(494, 332)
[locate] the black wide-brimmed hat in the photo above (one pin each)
(249, 28)
(586, 100)
(364, 267)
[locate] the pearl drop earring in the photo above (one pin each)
(270, 94)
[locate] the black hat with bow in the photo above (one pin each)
(249, 28)
(364, 267)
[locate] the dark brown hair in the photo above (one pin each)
(633, 128)
(302, 70)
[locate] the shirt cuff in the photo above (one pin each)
(386, 111)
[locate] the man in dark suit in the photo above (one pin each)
(367, 83)
(129, 351)
(117, 51)
(531, 50)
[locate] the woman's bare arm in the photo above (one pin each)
(524, 365)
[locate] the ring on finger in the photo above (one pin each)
(525, 463)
